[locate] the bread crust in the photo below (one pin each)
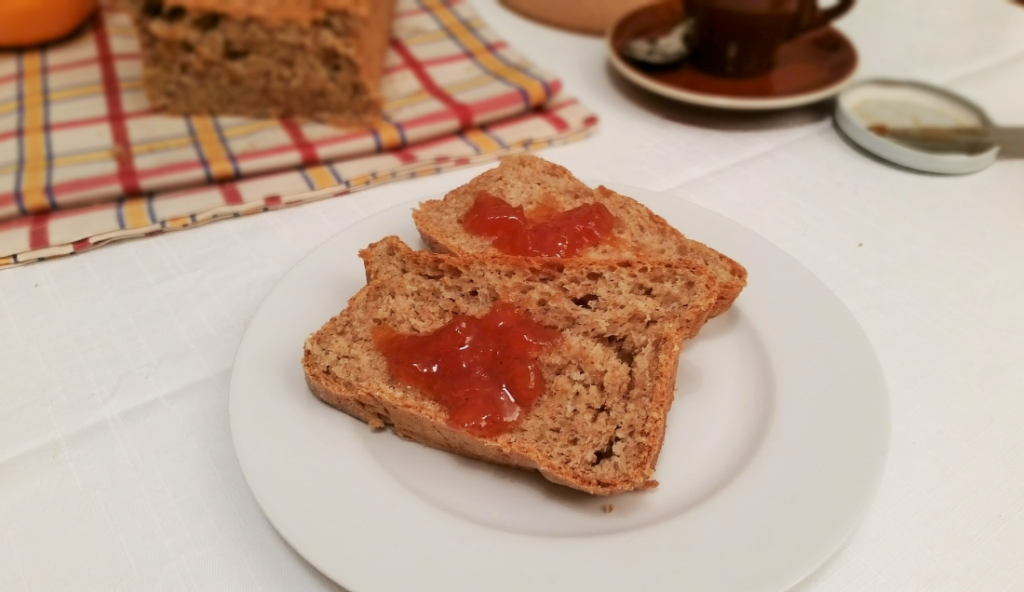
(313, 59)
(302, 11)
(528, 181)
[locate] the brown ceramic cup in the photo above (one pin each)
(740, 38)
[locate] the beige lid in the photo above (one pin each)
(588, 16)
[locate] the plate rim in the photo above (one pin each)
(719, 101)
(851, 517)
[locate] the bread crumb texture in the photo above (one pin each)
(529, 181)
(315, 59)
(600, 424)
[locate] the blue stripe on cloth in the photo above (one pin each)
(470, 143)
(149, 206)
(490, 135)
(19, 83)
(198, 149)
(48, 180)
(227, 147)
(335, 174)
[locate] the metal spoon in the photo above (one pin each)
(660, 50)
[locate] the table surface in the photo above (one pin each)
(117, 470)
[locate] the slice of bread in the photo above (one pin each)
(530, 182)
(598, 426)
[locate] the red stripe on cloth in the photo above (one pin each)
(429, 118)
(481, 108)
(306, 150)
(72, 186)
(405, 156)
(529, 115)
(24, 221)
(88, 183)
(342, 139)
(80, 245)
(283, 149)
(75, 64)
(232, 196)
(82, 122)
(118, 129)
(458, 57)
(512, 99)
(462, 112)
(556, 122)
(272, 200)
(39, 232)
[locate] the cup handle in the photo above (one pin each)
(812, 17)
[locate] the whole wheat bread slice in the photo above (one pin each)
(530, 181)
(600, 423)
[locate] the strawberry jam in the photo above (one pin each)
(558, 234)
(484, 370)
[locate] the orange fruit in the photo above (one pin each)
(32, 22)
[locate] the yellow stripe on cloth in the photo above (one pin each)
(420, 96)
(213, 149)
(82, 91)
(148, 147)
(485, 143)
(485, 57)
(62, 95)
(407, 100)
(432, 36)
(321, 177)
(425, 38)
(136, 215)
(390, 138)
(179, 222)
(360, 181)
(33, 117)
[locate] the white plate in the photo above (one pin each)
(775, 446)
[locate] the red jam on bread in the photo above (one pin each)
(483, 370)
(554, 234)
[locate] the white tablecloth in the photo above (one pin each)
(117, 470)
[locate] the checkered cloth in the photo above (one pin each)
(77, 134)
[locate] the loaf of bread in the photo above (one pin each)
(532, 182)
(598, 426)
(315, 59)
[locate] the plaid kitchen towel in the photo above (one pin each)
(77, 134)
